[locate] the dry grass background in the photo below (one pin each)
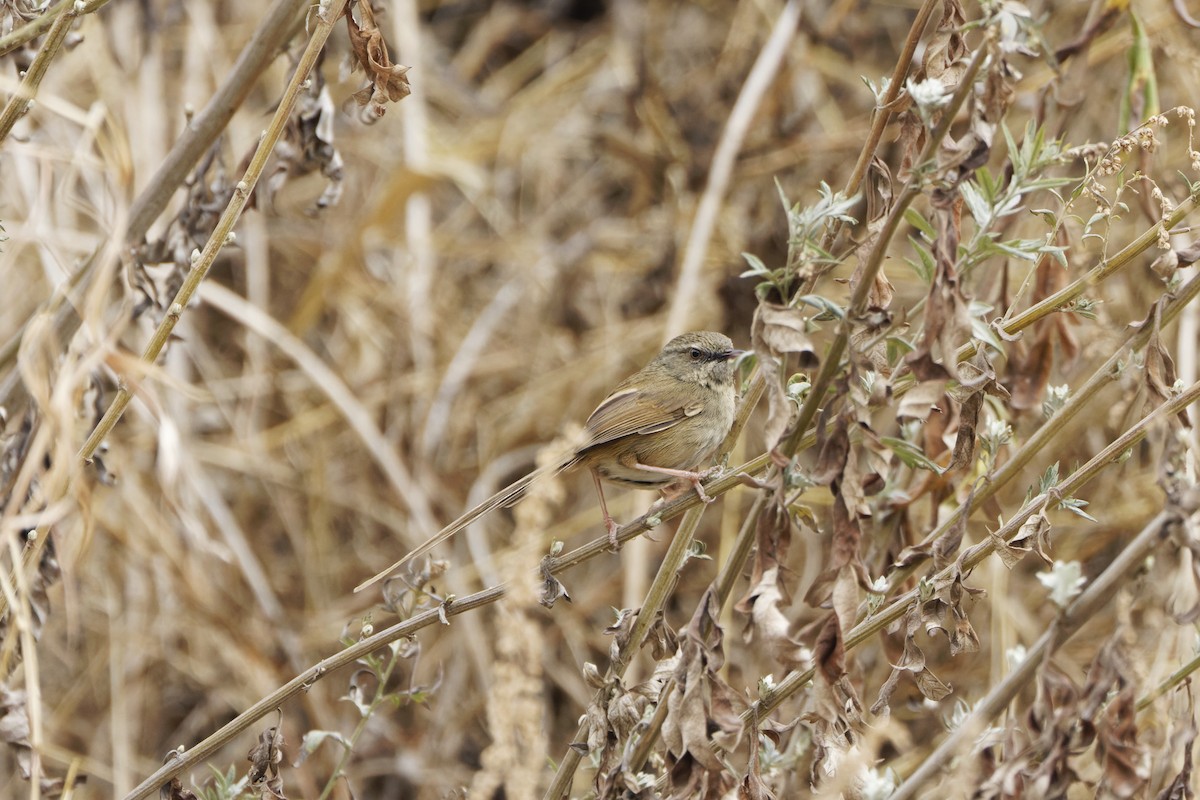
(509, 241)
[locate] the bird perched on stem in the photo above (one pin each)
(655, 431)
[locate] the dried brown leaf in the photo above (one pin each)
(14, 727)
(768, 594)
(912, 663)
(945, 547)
(1032, 535)
(265, 757)
(552, 589)
(833, 442)
(369, 51)
(1031, 365)
(963, 455)
(173, 790)
(753, 787)
(772, 539)
(1160, 367)
(944, 612)
(844, 552)
(1183, 740)
(877, 191)
(307, 146)
(779, 332)
(829, 651)
(921, 400)
(947, 323)
(769, 626)
(1125, 762)
(700, 706)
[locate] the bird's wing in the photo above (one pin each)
(631, 412)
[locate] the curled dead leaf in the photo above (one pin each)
(779, 332)
(369, 51)
(912, 663)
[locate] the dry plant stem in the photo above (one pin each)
(31, 30)
(22, 99)
(207, 748)
(1177, 677)
(1106, 374)
(883, 112)
(418, 208)
(757, 82)
(1065, 488)
(16, 595)
(660, 589)
(858, 300)
(331, 384)
(1102, 271)
(1090, 601)
(224, 225)
(268, 39)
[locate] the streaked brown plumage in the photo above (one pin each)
(657, 428)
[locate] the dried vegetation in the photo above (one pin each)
(955, 553)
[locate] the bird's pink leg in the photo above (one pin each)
(688, 475)
(609, 523)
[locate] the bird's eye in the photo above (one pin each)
(696, 354)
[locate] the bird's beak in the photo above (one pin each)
(729, 355)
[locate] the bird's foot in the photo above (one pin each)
(682, 475)
(611, 525)
(699, 487)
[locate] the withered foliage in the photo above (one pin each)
(702, 710)
(307, 146)
(388, 83)
(15, 732)
(265, 758)
(446, 289)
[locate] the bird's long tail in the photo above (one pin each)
(507, 496)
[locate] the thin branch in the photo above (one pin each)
(225, 224)
(883, 114)
(832, 361)
(1065, 488)
(1090, 601)
(342, 396)
(268, 39)
(18, 37)
(22, 99)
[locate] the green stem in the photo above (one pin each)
(348, 747)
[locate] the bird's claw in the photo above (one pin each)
(614, 543)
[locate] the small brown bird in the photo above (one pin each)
(656, 429)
